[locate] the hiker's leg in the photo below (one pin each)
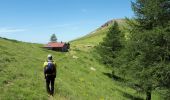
(48, 84)
(52, 85)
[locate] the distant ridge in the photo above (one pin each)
(112, 21)
(100, 32)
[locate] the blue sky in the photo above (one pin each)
(35, 20)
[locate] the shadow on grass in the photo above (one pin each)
(129, 96)
(121, 80)
(114, 77)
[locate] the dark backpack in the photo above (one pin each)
(50, 68)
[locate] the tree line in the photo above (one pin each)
(143, 56)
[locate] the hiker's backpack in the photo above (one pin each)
(50, 68)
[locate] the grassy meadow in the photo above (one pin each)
(80, 75)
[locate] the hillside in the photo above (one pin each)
(97, 35)
(80, 75)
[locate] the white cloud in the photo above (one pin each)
(10, 30)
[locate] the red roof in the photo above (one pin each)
(55, 44)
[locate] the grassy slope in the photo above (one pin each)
(22, 76)
(122, 90)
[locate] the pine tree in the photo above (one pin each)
(148, 49)
(151, 13)
(53, 38)
(111, 45)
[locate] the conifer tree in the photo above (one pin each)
(111, 44)
(148, 49)
(53, 38)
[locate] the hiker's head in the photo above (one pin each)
(49, 57)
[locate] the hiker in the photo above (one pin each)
(50, 74)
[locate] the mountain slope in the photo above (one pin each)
(22, 75)
(80, 75)
(97, 36)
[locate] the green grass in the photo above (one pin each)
(21, 73)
